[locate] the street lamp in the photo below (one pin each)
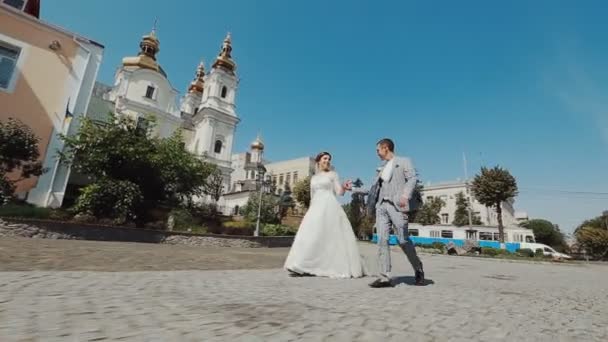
(261, 183)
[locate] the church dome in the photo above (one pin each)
(257, 144)
(146, 58)
(198, 84)
(224, 59)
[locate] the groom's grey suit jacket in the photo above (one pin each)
(402, 183)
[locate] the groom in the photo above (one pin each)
(392, 196)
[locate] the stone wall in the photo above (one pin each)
(79, 231)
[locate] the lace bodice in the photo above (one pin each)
(325, 182)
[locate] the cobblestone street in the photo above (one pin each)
(467, 298)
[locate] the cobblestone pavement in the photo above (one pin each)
(467, 299)
(25, 254)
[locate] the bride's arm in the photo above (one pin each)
(338, 188)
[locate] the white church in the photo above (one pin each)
(206, 113)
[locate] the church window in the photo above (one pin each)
(218, 146)
(8, 63)
(224, 92)
(142, 125)
(18, 4)
(150, 92)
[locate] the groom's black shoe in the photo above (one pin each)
(420, 278)
(379, 283)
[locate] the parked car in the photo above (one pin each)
(548, 251)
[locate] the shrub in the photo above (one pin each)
(435, 246)
(182, 219)
(6, 191)
(238, 228)
(539, 253)
(438, 245)
(489, 251)
(198, 230)
(525, 252)
(108, 198)
(204, 210)
(278, 230)
(25, 211)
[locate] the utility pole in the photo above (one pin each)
(466, 184)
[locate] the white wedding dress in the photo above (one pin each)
(325, 244)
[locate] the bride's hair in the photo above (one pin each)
(318, 159)
(321, 155)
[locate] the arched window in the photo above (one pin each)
(218, 146)
(224, 92)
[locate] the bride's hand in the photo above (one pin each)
(348, 185)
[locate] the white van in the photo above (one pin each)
(548, 251)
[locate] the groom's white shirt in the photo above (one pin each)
(387, 171)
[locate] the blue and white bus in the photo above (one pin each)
(486, 236)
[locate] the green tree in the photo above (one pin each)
(355, 211)
(301, 192)
(492, 187)
(124, 196)
(461, 215)
(268, 212)
(600, 222)
(429, 212)
(418, 191)
(215, 184)
(285, 201)
(161, 169)
(18, 153)
(592, 235)
(547, 233)
(183, 174)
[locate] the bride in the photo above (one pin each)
(325, 244)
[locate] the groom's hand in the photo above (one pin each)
(404, 203)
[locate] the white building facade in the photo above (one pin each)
(447, 192)
(206, 114)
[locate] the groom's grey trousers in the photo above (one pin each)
(387, 215)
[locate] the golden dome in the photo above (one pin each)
(198, 84)
(224, 59)
(257, 144)
(146, 58)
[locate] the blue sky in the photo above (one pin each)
(521, 84)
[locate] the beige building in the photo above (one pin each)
(246, 176)
(289, 172)
(46, 78)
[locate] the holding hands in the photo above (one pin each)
(348, 185)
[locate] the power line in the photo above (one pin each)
(567, 191)
(564, 196)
